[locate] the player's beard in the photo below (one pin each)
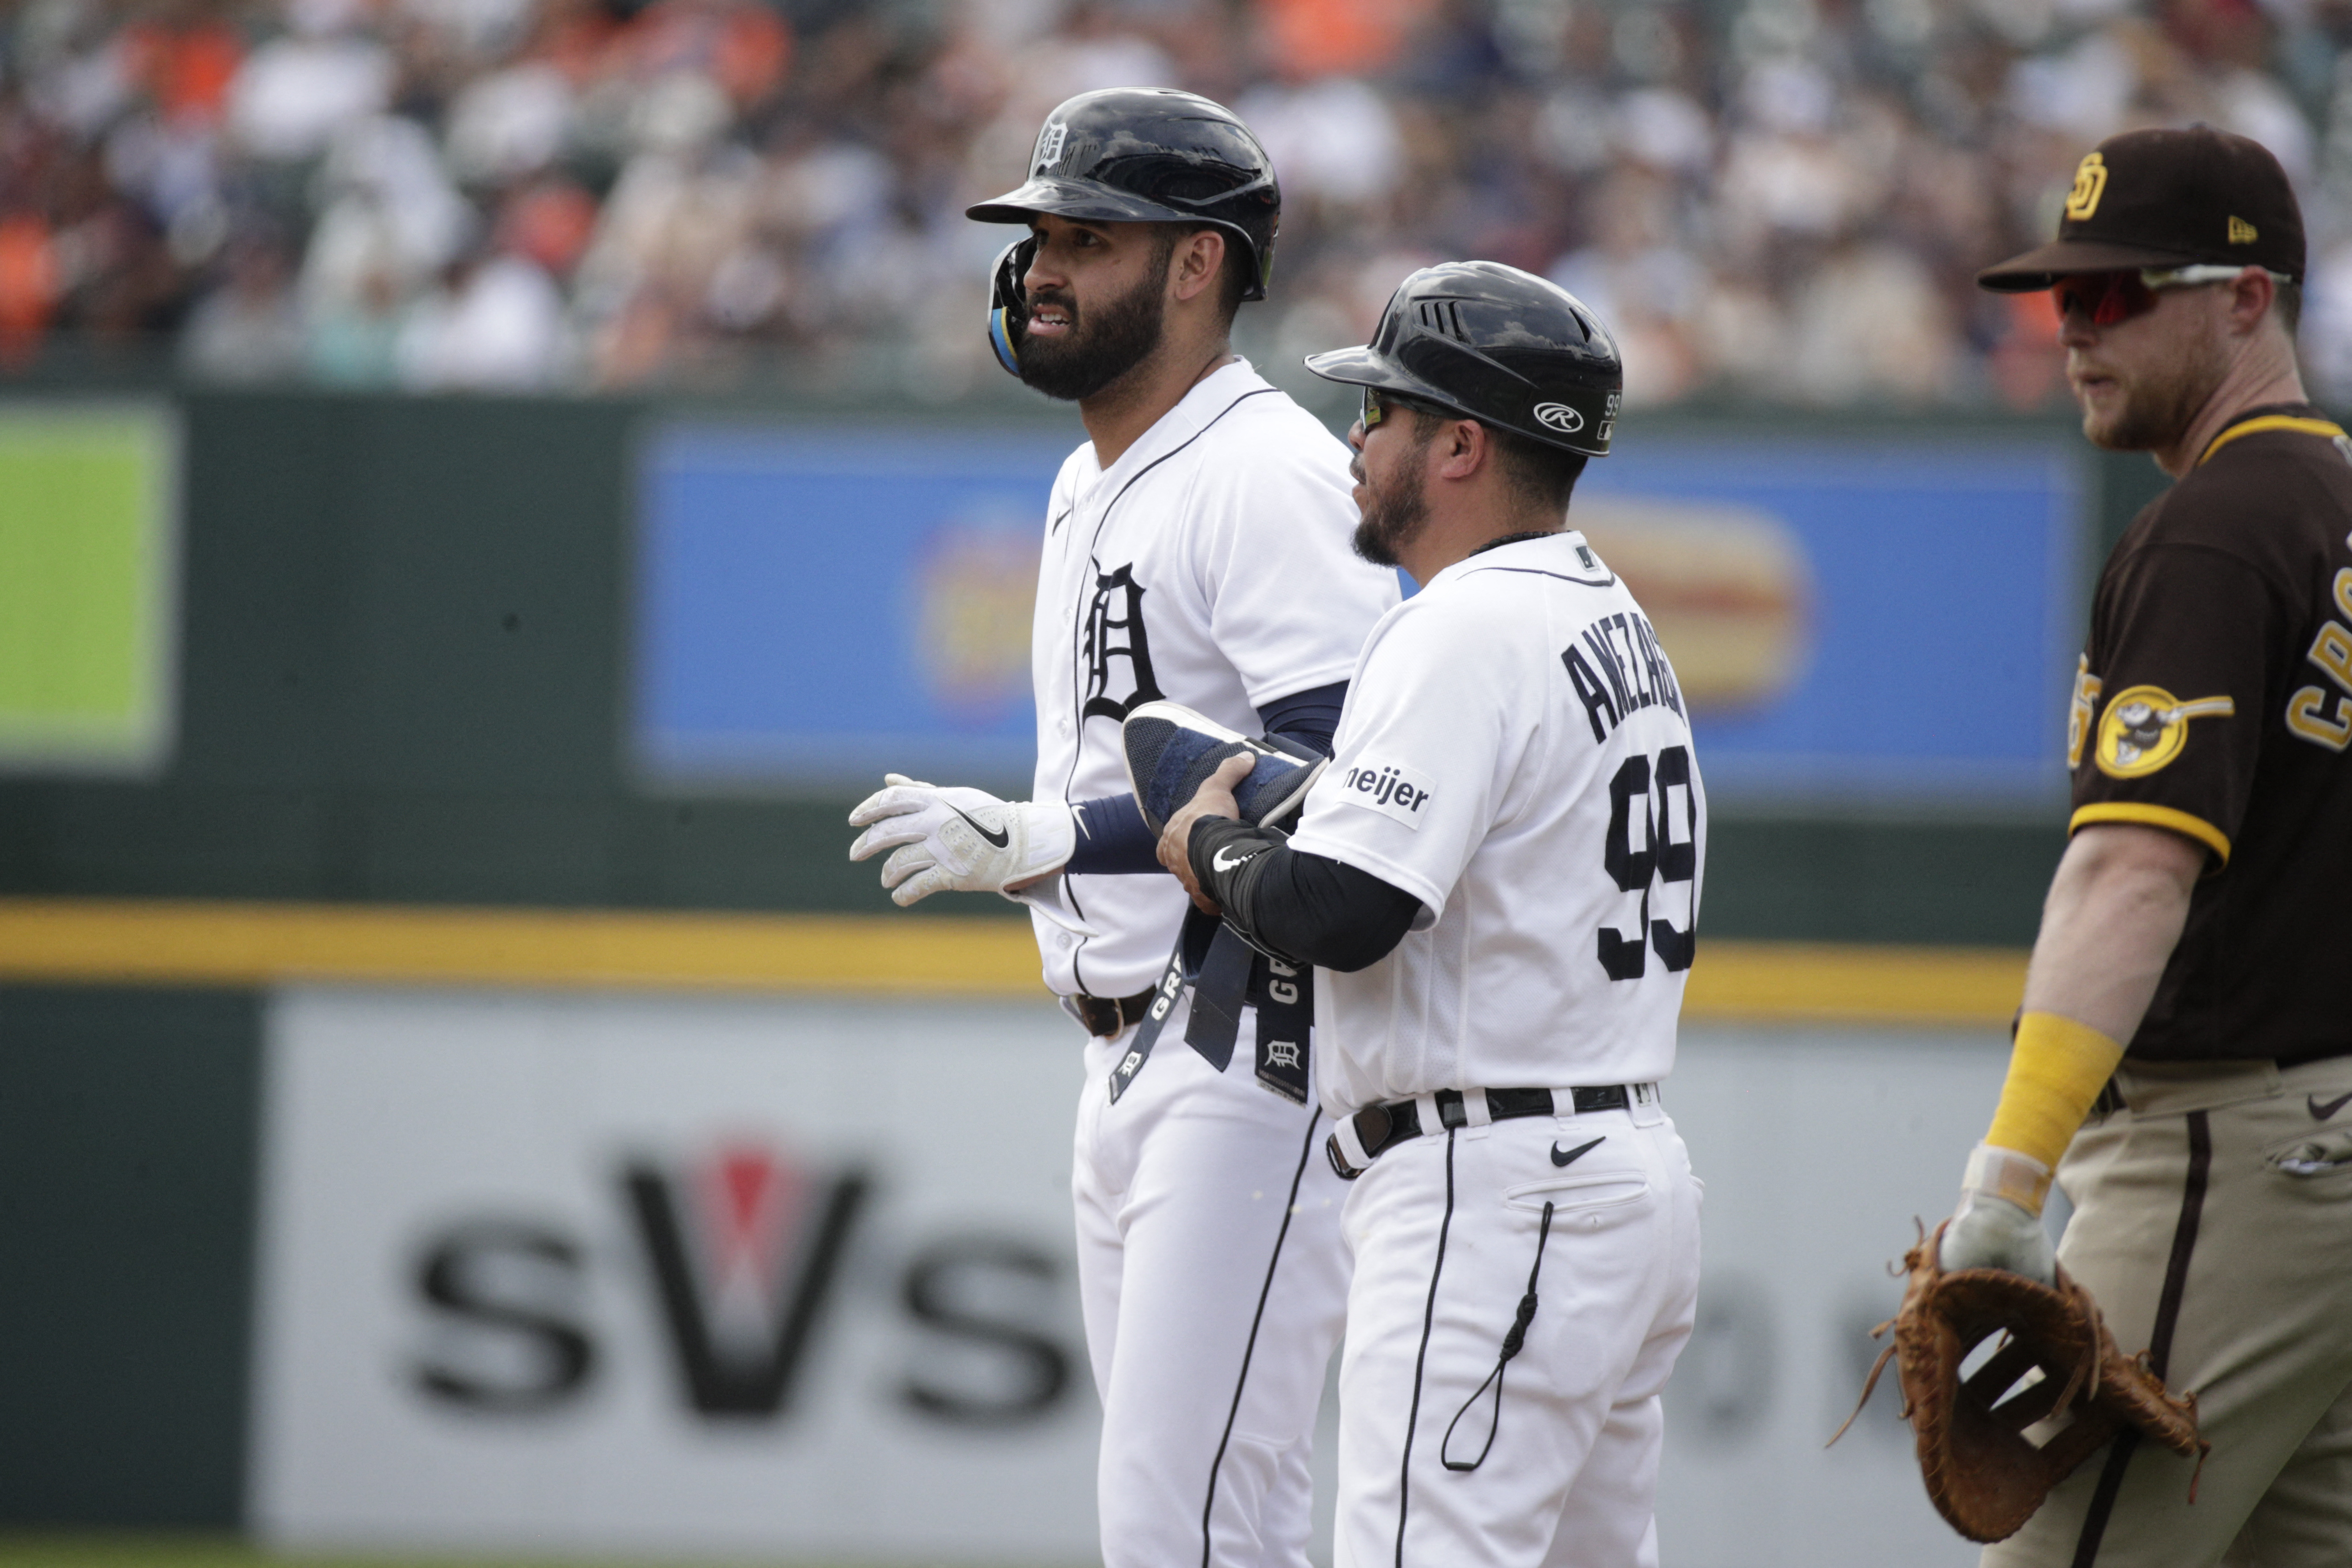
(1101, 345)
(2160, 400)
(1394, 513)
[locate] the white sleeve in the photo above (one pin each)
(1425, 748)
(1289, 601)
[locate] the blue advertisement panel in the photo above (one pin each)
(1851, 619)
(813, 610)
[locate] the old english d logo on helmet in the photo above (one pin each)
(1050, 142)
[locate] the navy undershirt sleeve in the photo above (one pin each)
(1113, 841)
(1311, 716)
(1112, 838)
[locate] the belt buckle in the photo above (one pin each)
(1340, 1166)
(1091, 1013)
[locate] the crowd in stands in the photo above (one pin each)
(1770, 200)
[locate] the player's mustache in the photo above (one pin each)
(1068, 301)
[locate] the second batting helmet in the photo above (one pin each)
(1496, 344)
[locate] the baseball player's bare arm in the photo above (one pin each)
(2115, 911)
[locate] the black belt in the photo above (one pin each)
(1104, 1016)
(1380, 1128)
(2110, 1100)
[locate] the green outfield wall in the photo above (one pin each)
(400, 677)
(399, 633)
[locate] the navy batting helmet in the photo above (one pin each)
(1136, 155)
(1497, 345)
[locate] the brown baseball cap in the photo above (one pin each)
(2167, 199)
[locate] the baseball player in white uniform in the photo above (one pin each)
(1499, 880)
(1210, 1264)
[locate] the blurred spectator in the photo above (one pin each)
(28, 285)
(495, 324)
(296, 89)
(248, 329)
(353, 339)
(1778, 200)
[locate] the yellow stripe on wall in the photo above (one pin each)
(99, 942)
(258, 943)
(1863, 984)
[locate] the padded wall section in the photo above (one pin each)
(127, 1142)
(404, 673)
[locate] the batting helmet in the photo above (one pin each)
(1497, 345)
(1136, 155)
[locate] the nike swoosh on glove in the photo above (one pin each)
(953, 838)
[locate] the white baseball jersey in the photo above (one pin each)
(1210, 565)
(1514, 753)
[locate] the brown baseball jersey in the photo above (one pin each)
(2215, 700)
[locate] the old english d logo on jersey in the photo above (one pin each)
(1118, 649)
(744, 1246)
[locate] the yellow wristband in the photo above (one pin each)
(2055, 1070)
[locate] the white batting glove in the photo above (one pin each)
(1998, 1224)
(964, 840)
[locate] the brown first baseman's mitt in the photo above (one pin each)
(1993, 1443)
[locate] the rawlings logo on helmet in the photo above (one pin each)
(1558, 417)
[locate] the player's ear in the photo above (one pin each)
(1199, 261)
(2251, 295)
(1463, 449)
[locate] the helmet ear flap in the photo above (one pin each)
(1008, 306)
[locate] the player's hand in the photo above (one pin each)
(1994, 1227)
(962, 839)
(1214, 798)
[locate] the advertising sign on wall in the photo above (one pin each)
(89, 544)
(611, 1275)
(792, 1279)
(817, 610)
(1851, 619)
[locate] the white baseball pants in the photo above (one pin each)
(1213, 1283)
(1445, 1232)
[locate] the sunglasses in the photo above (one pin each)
(1378, 407)
(2109, 298)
